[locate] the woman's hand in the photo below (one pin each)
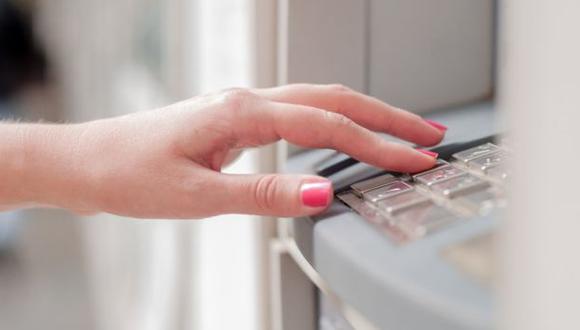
(166, 163)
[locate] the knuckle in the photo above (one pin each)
(265, 190)
(236, 99)
(339, 88)
(341, 97)
(340, 121)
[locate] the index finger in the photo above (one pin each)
(315, 128)
(363, 109)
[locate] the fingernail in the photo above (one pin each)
(437, 125)
(428, 153)
(315, 194)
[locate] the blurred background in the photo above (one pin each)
(77, 60)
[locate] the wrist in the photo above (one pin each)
(53, 169)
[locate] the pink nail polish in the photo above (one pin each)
(428, 153)
(315, 194)
(437, 125)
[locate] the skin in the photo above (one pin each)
(166, 163)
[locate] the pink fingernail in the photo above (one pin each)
(428, 153)
(316, 194)
(437, 125)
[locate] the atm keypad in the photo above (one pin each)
(409, 207)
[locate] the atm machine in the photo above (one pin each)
(396, 250)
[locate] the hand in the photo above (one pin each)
(166, 163)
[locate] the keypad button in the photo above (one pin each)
(372, 215)
(470, 154)
(438, 164)
(363, 208)
(500, 172)
(430, 177)
(419, 221)
(459, 185)
(402, 202)
(484, 163)
(478, 202)
(361, 187)
(390, 189)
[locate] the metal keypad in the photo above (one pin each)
(408, 207)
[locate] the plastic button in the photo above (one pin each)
(443, 173)
(402, 201)
(460, 185)
(484, 163)
(361, 187)
(390, 189)
(470, 154)
(419, 221)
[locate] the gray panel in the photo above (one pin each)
(296, 293)
(302, 233)
(430, 54)
(467, 122)
(330, 316)
(326, 42)
(401, 287)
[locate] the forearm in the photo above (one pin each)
(38, 165)
(12, 165)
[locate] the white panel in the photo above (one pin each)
(430, 54)
(323, 42)
(539, 90)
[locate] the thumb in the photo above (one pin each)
(277, 194)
